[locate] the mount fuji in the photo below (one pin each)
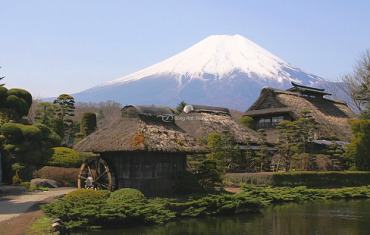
(221, 70)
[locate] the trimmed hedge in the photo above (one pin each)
(322, 179)
(127, 195)
(303, 178)
(12, 132)
(84, 195)
(65, 176)
(62, 157)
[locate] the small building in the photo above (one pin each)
(200, 121)
(274, 106)
(142, 150)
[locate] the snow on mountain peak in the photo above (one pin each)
(219, 55)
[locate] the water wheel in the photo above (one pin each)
(95, 173)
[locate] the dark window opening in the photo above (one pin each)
(270, 122)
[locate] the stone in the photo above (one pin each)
(46, 183)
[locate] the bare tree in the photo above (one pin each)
(353, 87)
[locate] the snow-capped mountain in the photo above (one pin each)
(221, 70)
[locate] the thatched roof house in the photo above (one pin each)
(201, 120)
(273, 106)
(143, 149)
(141, 129)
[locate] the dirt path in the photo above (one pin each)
(17, 212)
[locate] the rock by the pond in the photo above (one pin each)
(44, 183)
(12, 190)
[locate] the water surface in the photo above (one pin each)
(337, 217)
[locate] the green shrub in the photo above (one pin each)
(186, 183)
(57, 125)
(31, 132)
(17, 148)
(65, 176)
(322, 179)
(13, 102)
(248, 122)
(84, 195)
(86, 155)
(49, 135)
(106, 193)
(23, 94)
(127, 195)
(12, 132)
(45, 131)
(3, 96)
(88, 123)
(62, 157)
(260, 179)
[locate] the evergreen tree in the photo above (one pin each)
(180, 107)
(44, 113)
(287, 142)
(252, 161)
(88, 123)
(262, 152)
(1, 78)
(358, 151)
(65, 110)
(306, 127)
(248, 122)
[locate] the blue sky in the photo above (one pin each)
(55, 47)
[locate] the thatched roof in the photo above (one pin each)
(309, 90)
(202, 122)
(142, 129)
(332, 115)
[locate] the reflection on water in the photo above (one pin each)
(337, 217)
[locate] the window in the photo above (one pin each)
(264, 123)
(276, 120)
(267, 122)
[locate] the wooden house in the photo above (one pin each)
(142, 150)
(274, 106)
(200, 121)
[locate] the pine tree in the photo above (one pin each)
(180, 107)
(306, 127)
(44, 112)
(287, 142)
(262, 152)
(1, 78)
(65, 110)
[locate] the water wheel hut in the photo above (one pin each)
(274, 106)
(142, 150)
(201, 120)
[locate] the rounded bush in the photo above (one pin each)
(57, 125)
(84, 195)
(3, 95)
(248, 122)
(106, 193)
(23, 94)
(12, 132)
(63, 157)
(49, 135)
(55, 139)
(32, 157)
(24, 108)
(127, 194)
(31, 133)
(88, 123)
(45, 131)
(13, 102)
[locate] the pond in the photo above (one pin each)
(339, 217)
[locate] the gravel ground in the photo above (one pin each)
(18, 212)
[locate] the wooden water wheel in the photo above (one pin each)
(95, 173)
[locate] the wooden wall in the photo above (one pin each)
(151, 173)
